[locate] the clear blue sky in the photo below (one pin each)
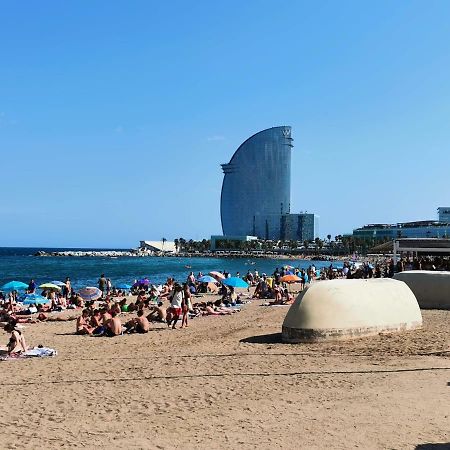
(115, 116)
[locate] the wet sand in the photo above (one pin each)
(229, 382)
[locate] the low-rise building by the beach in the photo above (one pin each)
(417, 229)
(158, 246)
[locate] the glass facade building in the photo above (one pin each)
(299, 227)
(444, 214)
(257, 184)
(421, 229)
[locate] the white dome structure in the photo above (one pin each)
(343, 309)
(432, 289)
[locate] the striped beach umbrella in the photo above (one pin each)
(90, 293)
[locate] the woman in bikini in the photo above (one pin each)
(16, 342)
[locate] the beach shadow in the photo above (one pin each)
(273, 338)
(67, 334)
(443, 446)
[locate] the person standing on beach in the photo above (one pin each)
(31, 287)
(186, 305)
(102, 284)
(67, 288)
(176, 300)
(108, 286)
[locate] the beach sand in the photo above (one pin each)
(228, 382)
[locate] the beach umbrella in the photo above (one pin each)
(217, 275)
(123, 286)
(90, 293)
(142, 282)
(34, 299)
(206, 279)
(50, 286)
(15, 286)
(58, 283)
(290, 279)
(235, 282)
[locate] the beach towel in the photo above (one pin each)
(35, 352)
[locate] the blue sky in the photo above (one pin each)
(115, 116)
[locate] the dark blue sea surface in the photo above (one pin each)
(19, 264)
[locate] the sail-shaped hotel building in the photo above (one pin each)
(256, 190)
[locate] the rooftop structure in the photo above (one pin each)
(444, 214)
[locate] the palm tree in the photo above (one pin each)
(163, 240)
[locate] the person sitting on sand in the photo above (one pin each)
(288, 298)
(96, 318)
(106, 316)
(138, 325)
(83, 326)
(113, 326)
(157, 313)
(123, 305)
(115, 308)
(16, 342)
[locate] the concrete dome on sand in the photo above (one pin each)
(432, 289)
(342, 309)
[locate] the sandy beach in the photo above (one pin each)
(229, 382)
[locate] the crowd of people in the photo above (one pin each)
(118, 311)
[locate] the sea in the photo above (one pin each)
(20, 264)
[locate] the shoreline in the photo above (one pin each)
(137, 254)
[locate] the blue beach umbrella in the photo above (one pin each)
(34, 299)
(206, 279)
(235, 282)
(123, 286)
(15, 286)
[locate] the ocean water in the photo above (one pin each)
(19, 264)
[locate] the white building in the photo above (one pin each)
(158, 246)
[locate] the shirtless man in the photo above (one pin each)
(83, 326)
(113, 326)
(106, 316)
(157, 313)
(139, 325)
